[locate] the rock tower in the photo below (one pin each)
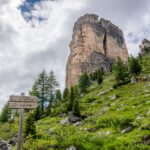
(95, 44)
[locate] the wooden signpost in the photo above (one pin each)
(22, 102)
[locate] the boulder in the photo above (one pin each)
(139, 117)
(14, 140)
(63, 115)
(133, 80)
(70, 119)
(78, 124)
(65, 121)
(105, 92)
(50, 131)
(74, 119)
(126, 130)
(113, 97)
(71, 148)
(70, 114)
(146, 139)
(4, 145)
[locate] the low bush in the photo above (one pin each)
(115, 121)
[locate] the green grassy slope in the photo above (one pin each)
(108, 111)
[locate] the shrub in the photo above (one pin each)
(84, 82)
(30, 128)
(115, 121)
(134, 66)
(121, 83)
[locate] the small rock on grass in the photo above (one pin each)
(126, 130)
(71, 148)
(146, 139)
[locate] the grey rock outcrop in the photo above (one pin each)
(133, 80)
(4, 145)
(145, 47)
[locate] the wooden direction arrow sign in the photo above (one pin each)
(22, 102)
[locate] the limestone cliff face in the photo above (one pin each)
(95, 44)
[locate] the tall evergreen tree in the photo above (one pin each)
(58, 96)
(119, 71)
(48, 110)
(4, 116)
(65, 94)
(44, 88)
(52, 85)
(134, 66)
(71, 99)
(38, 113)
(76, 107)
(40, 88)
(30, 128)
(84, 82)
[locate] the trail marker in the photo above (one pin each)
(22, 102)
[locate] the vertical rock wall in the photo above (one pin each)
(95, 44)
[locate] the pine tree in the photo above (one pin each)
(44, 88)
(52, 85)
(76, 107)
(48, 110)
(4, 116)
(119, 71)
(84, 82)
(134, 66)
(65, 94)
(58, 96)
(30, 128)
(71, 99)
(38, 113)
(40, 88)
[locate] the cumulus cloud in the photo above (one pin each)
(39, 38)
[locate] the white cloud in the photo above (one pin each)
(28, 47)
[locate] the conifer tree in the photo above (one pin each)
(65, 94)
(71, 99)
(44, 88)
(134, 66)
(76, 107)
(40, 88)
(84, 82)
(38, 113)
(30, 128)
(4, 116)
(52, 85)
(58, 96)
(48, 110)
(119, 71)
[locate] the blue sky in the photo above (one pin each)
(27, 7)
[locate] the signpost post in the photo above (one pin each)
(22, 102)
